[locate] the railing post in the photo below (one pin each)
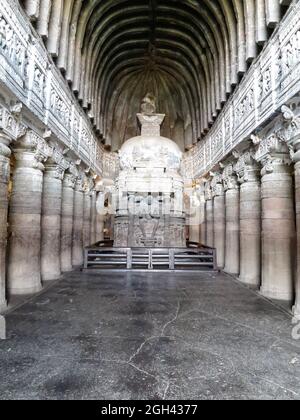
(129, 259)
(215, 263)
(150, 263)
(171, 259)
(86, 256)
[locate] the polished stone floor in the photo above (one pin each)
(149, 336)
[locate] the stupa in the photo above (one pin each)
(150, 187)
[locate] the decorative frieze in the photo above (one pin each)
(272, 80)
(28, 71)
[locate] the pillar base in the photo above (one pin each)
(296, 313)
(275, 295)
(253, 283)
(25, 291)
(67, 269)
(51, 277)
(3, 306)
(2, 328)
(228, 271)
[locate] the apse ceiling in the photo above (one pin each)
(189, 53)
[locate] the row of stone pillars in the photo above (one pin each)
(249, 217)
(47, 215)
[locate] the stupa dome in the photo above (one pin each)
(150, 149)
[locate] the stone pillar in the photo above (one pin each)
(195, 217)
(209, 216)
(77, 246)
(278, 227)
(219, 219)
(203, 225)
(51, 221)
(290, 133)
(87, 213)
(194, 235)
(100, 228)
(67, 219)
(296, 308)
(100, 216)
(4, 179)
(24, 256)
(93, 218)
(232, 203)
(250, 219)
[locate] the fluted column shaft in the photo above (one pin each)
(77, 246)
(4, 180)
(67, 219)
(232, 238)
(203, 226)
(93, 218)
(277, 232)
(194, 235)
(100, 216)
(100, 228)
(209, 223)
(87, 218)
(195, 217)
(24, 262)
(51, 223)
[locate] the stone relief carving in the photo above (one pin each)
(273, 76)
(26, 67)
(229, 177)
(246, 166)
(20, 60)
(270, 151)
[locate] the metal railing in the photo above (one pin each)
(195, 257)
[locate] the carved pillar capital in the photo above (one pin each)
(217, 185)
(79, 184)
(207, 191)
(32, 150)
(246, 167)
(229, 178)
(5, 141)
(56, 165)
(272, 152)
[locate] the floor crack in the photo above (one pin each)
(172, 320)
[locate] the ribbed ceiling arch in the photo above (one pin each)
(189, 53)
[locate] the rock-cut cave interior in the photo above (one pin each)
(149, 200)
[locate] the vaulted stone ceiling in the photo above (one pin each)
(189, 53)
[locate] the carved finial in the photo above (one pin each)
(221, 164)
(66, 151)
(16, 109)
(287, 113)
(236, 154)
(78, 162)
(22, 129)
(47, 134)
(255, 139)
(148, 105)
